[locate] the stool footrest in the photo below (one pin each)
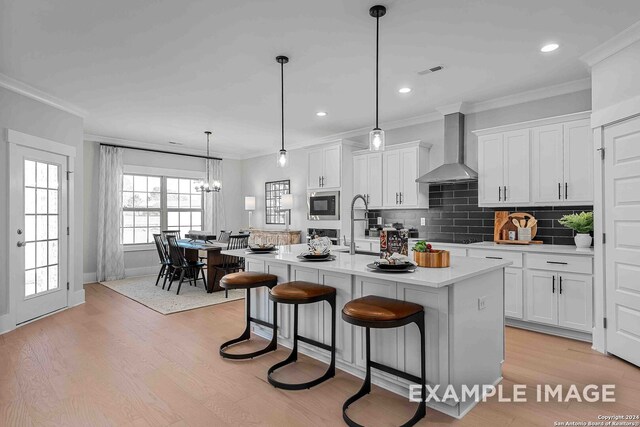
(314, 343)
(261, 322)
(393, 371)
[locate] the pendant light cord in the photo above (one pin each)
(282, 99)
(208, 178)
(377, 53)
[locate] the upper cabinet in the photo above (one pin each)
(544, 162)
(503, 168)
(324, 169)
(388, 179)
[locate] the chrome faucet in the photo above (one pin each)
(352, 246)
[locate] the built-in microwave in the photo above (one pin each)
(323, 205)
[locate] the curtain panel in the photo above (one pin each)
(214, 218)
(110, 250)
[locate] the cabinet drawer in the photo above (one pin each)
(563, 263)
(515, 257)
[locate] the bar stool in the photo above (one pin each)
(379, 312)
(297, 293)
(248, 280)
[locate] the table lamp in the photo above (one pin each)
(250, 205)
(286, 203)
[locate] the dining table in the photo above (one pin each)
(192, 251)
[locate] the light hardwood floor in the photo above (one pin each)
(112, 361)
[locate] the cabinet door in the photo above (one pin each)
(578, 162)
(314, 171)
(360, 177)
(309, 315)
(546, 164)
(516, 167)
(408, 174)
(575, 301)
(513, 293)
(344, 330)
(391, 177)
(542, 297)
(490, 169)
(331, 166)
(374, 179)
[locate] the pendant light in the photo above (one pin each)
(202, 185)
(376, 136)
(283, 157)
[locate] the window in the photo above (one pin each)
(154, 203)
(273, 192)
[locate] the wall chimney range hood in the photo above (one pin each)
(454, 170)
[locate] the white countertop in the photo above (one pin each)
(539, 248)
(461, 267)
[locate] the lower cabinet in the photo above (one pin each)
(513, 298)
(560, 299)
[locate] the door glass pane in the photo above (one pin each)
(41, 223)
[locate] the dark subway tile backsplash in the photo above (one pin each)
(454, 216)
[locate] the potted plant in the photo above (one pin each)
(582, 224)
(425, 256)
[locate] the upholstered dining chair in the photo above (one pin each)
(230, 263)
(180, 264)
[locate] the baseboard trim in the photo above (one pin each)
(90, 277)
(7, 323)
(550, 330)
(76, 298)
(129, 272)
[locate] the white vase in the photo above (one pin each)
(583, 240)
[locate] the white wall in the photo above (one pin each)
(26, 115)
(615, 79)
(144, 261)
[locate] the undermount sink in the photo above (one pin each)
(359, 252)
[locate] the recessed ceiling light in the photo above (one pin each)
(549, 47)
(404, 90)
(321, 113)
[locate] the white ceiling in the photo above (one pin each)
(155, 71)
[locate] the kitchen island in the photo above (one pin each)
(464, 321)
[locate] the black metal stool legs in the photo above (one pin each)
(246, 335)
(293, 356)
(366, 385)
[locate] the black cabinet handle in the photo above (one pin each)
(556, 262)
(566, 191)
(560, 284)
(499, 194)
(505, 193)
(559, 191)
(493, 257)
(319, 184)
(553, 285)
(401, 197)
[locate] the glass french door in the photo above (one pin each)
(39, 230)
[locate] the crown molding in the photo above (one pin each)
(40, 96)
(530, 95)
(613, 45)
(153, 146)
(456, 107)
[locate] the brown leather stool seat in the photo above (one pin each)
(378, 309)
(296, 293)
(300, 292)
(379, 312)
(248, 280)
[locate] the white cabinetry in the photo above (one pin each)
(562, 163)
(542, 162)
(388, 179)
(503, 168)
(367, 179)
(513, 302)
(324, 168)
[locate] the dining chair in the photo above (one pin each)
(230, 263)
(224, 236)
(180, 264)
(166, 233)
(165, 260)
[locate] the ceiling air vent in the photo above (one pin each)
(431, 70)
(175, 143)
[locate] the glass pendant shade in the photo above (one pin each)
(376, 140)
(203, 184)
(283, 159)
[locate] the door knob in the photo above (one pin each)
(20, 244)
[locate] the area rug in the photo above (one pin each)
(142, 289)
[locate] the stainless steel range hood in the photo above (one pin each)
(454, 169)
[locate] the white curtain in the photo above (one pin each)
(214, 219)
(110, 251)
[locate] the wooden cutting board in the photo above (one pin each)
(502, 221)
